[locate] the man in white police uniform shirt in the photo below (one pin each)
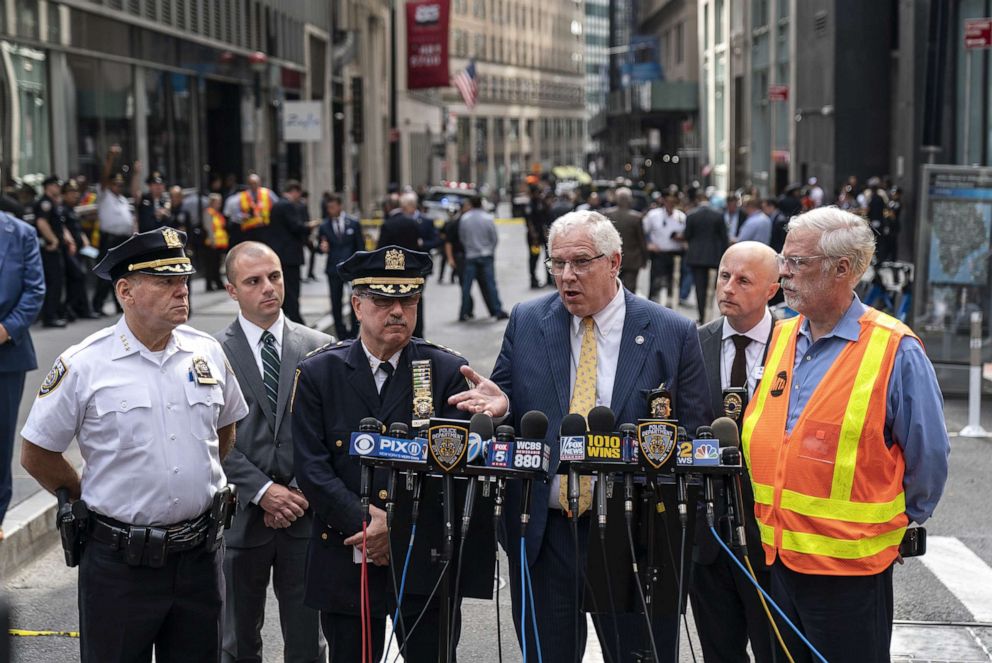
(153, 406)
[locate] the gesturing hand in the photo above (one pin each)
(484, 396)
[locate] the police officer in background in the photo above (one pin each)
(383, 374)
(153, 208)
(77, 304)
(153, 405)
(49, 219)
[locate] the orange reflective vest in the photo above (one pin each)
(828, 495)
(220, 229)
(255, 213)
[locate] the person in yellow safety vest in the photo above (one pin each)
(256, 204)
(845, 441)
(215, 243)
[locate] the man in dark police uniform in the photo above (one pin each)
(381, 375)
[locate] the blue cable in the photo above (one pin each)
(770, 600)
(399, 598)
(533, 613)
(523, 599)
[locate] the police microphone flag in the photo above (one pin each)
(572, 447)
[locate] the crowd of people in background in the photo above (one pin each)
(677, 233)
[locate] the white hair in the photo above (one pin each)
(624, 196)
(842, 235)
(409, 199)
(601, 230)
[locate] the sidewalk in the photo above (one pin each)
(29, 524)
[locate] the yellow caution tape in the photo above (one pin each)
(23, 633)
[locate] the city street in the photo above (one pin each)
(943, 601)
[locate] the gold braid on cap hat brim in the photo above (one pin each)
(155, 264)
(390, 285)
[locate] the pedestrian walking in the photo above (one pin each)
(477, 234)
(706, 240)
(340, 237)
(664, 228)
(286, 233)
(630, 225)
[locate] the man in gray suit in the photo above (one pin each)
(725, 605)
(629, 224)
(706, 239)
(273, 522)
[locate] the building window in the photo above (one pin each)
(169, 106)
(680, 43)
(102, 93)
(24, 95)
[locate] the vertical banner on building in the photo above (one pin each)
(427, 44)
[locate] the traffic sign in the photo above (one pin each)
(978, 33)
(778, 93)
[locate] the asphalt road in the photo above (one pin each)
(950, 596)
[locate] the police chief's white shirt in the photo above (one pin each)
(146, 428)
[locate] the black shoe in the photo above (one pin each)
(534, 285)
(57, 323)
(502, 315)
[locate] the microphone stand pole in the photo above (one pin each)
(447, 556)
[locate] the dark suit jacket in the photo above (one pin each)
(341, 248)
(287, 231)
(22, 291)
(335, 390)
(533, 369)
(400, 230)
(631, 228)
(263, 451)
(706, 236)
(707, 550)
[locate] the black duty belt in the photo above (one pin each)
(145, 545)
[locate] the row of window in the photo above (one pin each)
(524, 53)
(519, 14)
(248, 24)
(503, 89)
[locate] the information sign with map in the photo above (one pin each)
(953, 240)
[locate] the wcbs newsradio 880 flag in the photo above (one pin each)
(427, 44)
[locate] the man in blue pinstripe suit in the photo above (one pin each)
(639, 346)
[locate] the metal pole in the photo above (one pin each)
(966, 132)
(974, 427)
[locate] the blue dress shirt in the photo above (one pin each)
(914, 413)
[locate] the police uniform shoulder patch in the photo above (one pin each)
(441, 347)
(54, 378)
(45, 206)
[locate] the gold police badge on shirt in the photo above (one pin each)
(54, 378)
(201, 371)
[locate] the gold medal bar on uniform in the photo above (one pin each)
(423, 401)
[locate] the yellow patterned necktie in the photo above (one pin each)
(583, 400)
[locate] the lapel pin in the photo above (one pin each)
(639, 340)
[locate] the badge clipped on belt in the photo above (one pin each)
(734, 402)
(201, 371)
(423, 399)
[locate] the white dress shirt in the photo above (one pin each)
(113, 212)
(753, 353)
(608, 326)
(375, 363)
(146, 428)
(659, 226)
(254, 335)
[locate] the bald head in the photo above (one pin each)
(746, 280)
(245, 251)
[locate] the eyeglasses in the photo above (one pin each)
(386, 303)
(579, 265)
(796, 263)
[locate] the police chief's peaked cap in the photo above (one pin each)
(158, 252)
(391, 271)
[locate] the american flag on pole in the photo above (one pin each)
(465, 81)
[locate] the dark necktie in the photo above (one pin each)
(738, 372)
(270, 368)
(388, 369)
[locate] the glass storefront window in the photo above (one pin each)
(24, 103)
(100, 98)
(27, 18)
(169, 104)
